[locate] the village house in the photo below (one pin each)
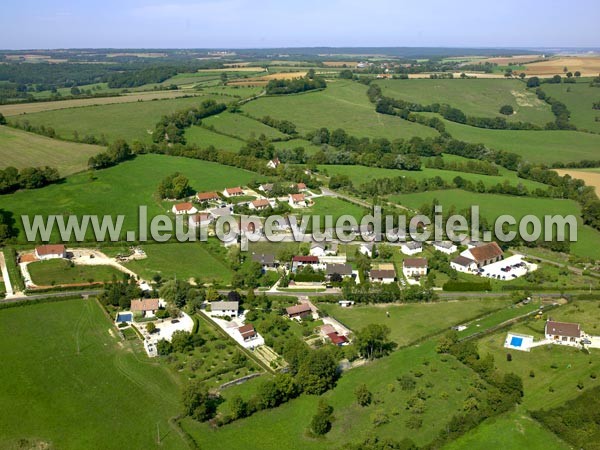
(563, 333)
(337, 339)
(297, 200)
(202, 219)
(414, 267)
(248, 332)
(484, 254)
(274, 163)
(266, 188)
(266, 260)
(463, 264)
(259, 204)
(344, 270)
(301, 187)
(384, 276)
(147, 307)
(411, 248)
(233, 192)
(301, 261)
(367, 249)
(50, 251)
(299, 312)
(207, 196)
(184, 208)
(446, 247)
(225, 308)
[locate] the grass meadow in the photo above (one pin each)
(203, 138)
(579, 98)
(129, 121)
(82, 388)
(21, 149)
(241, 126)
(475, 97)
(343, 104)
(59, 271)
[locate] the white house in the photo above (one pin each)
(411, 248)
(367, 248)
(184, 208)
(259, 204)
(414, 267)
(51, 251)
(384, 276)
(266, 188)
(463, 264)
(199, 220)
(225, 309)
(301, 261)
(446, 247)
(147, 307)
(297, 200)
(274, 163)
(563, 333)
(207, 196)
(233, 192)
(484, 254)
(318, 249)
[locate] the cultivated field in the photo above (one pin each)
(590, 176)
(264, 79)
(82, 388)
(589, 66)
(342, 104)
(478, 97)
(21, 149)
(28, 108)
(130, 121)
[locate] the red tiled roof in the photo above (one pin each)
(261, 202)
(183, 206)
(298, 309)
(563, 329)
(145, 304)
(305, 259)
(50, 249)
(414, 262)
(383, 273)
(297, 198)
(247, 330)
(301, 186)
(235, 190)
(203, 196)
(486, 252)
(337, 339)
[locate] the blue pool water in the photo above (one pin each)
(124, 317)
(516, 341)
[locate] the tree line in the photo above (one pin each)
(12, 179)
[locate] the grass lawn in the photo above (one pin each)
(21, 149)
(493, 205)
(70, 384)
(129, 121)
(444, 380)
(334, 207)
(59, 271)
(241, 126)
(511, 430)
(579, 98)
(122, 189)
(204, 138)
(183, 261)
(410, 322)
(475, 97)
(343, 104)
(535, 146)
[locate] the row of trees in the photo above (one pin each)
(117, 152)
(12, 179)
(470, 166)
(285, 126)
(295, 85)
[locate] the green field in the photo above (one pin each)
(579, 98)
(81, 388)
(543, 147)
(129, 121)
(493, 205)
(122, 189)
(342, 104)
(309, 148)
(21, 149)
(182, 261)
(203, 138)
(513, 430)
(335, 207)
(475, 97)
(411, 322)
(59, 271)
(241, 126)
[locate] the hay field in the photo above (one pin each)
(263, 80)
(588, 66)
(590, 176)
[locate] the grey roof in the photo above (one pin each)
(342, 269)
(463, 261)
(224, 306)
(224, 211)
(413, 245)
(443, 244)
(264, 258)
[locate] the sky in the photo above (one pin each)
(29, 24)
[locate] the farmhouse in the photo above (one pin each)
(248, 332)
(260, 204)
(184, 208)
(297, 201)
(414, 267)
(484, 254)
(50, 251)
(384, 276)
(267, 260)
(147, 307)
(563, 333)
(411, 248)
(298, 312)
(200, 220)
(446, 247)
(233, 192)
(463, 264)
(274, 163)
(225, 309)
(344, 270)
(207, 196)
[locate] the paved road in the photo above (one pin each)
(50, 295)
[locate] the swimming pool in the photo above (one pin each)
(124, 317)
(516, 341)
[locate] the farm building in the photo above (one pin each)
(414, 267)
(563, 333)
(184, 208)
(299, 312)
(446, 247)
(384, 276)
(411, 248)
(207, 196)
(51, 251)
(233, 192)
(147, 307)
(484, 254)
(225, 308)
